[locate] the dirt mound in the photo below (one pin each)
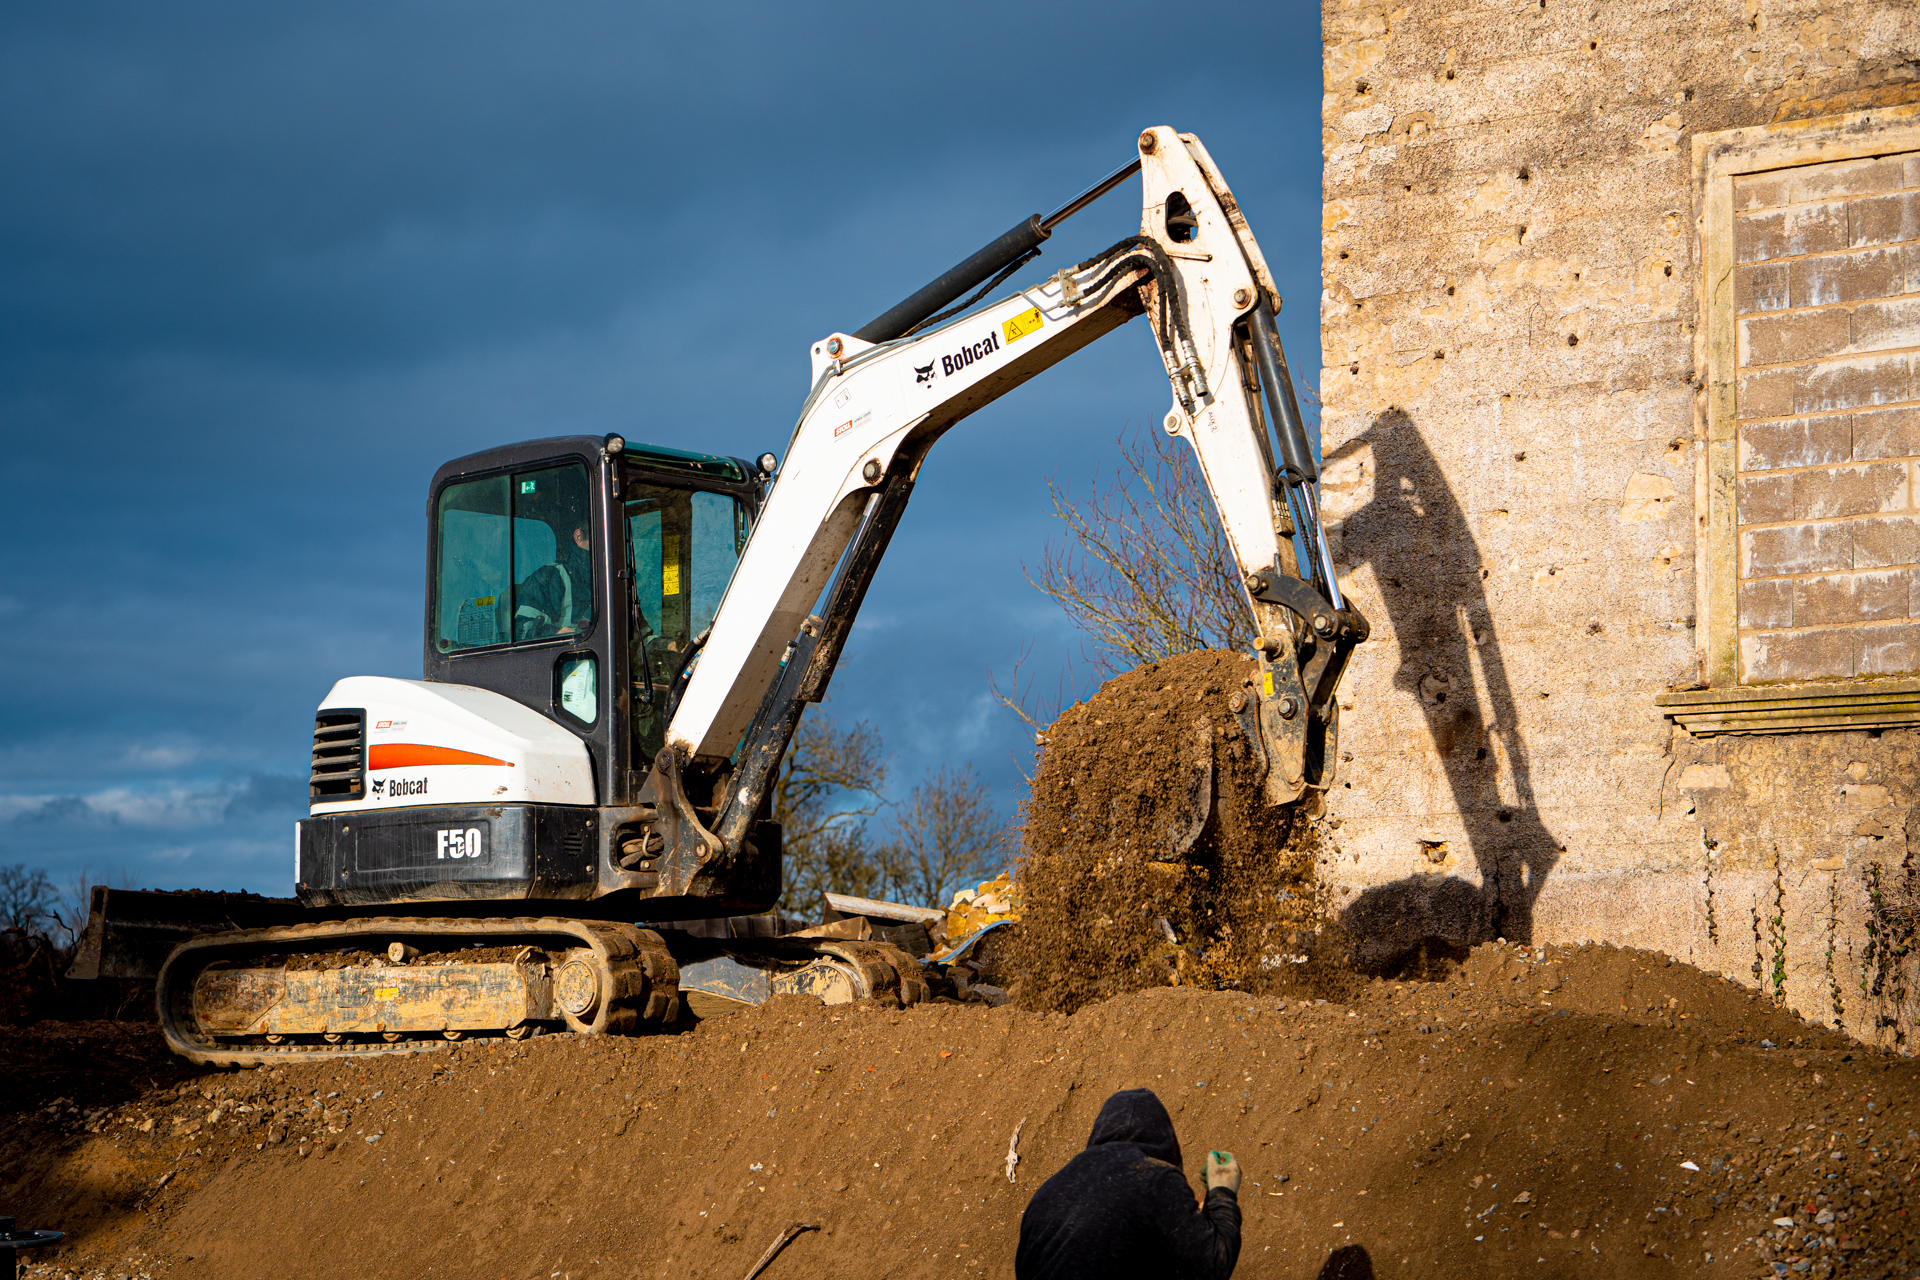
(1576, 1111)
(1121, 894)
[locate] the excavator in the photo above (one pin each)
(620, 640)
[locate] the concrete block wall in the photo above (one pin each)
(1509, 405)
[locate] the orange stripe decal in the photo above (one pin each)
(411, 755)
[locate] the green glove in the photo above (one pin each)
(1223, 1171)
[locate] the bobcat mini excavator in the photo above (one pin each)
(620, 639)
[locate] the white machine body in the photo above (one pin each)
(446, 744)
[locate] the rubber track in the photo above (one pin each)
(890, 974)
(639, 978)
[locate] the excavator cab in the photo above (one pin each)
(576, 576)
(569, 584)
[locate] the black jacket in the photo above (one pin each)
(555, 595)
(1122, 1207)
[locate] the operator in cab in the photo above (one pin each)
(1122, 1207)
(557, 598)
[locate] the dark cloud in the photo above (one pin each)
(266, 795)
(61, 811)
(262, 269)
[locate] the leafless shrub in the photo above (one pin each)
(75, 900)
(32, 955)
(945, 834)
(1897, 899)
(1145, 570)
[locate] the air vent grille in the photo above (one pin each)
(573, 844)
(339, 755)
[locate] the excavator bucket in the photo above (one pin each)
(1196, 793)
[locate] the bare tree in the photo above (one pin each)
(1146, 571)
(26, 899)
(829, 785)
(947, 835)
(29, 961)
(75, 903)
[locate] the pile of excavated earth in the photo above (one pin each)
(1151, 856)
(1519, 1111)
(1585, 1111)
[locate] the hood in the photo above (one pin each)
(1137, 1116)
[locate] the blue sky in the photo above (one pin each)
(263, 268)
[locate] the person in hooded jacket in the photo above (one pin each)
(557, 598)
(1122, 1208)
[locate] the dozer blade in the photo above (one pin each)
(130, 932)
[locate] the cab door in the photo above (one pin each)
(683, 546)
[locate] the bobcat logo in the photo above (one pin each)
(379, 785)
(923, 373)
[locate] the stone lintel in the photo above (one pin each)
(1800, 708)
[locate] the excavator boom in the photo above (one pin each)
(879, 403)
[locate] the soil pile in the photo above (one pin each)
(1573, 1111)
(1120, 894)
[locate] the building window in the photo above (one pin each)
(1810, 344)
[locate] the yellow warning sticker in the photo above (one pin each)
(670, 578)
(386, 993)
(1266, 684)
(1020, 326)
(485, 602)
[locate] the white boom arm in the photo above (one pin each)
(875, 410)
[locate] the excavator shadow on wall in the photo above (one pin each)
(1427, 565)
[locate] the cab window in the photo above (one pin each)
(685, 544)
(515, 560)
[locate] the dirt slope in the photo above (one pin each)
(1471, 1126)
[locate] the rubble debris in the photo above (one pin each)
(988, 903)
(910, 928)
(978, 965)
(852, 929)
(841, 905)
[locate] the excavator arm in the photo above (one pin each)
(882, 396)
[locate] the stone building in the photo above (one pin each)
(1621, 406)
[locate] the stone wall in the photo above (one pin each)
(1517, 464)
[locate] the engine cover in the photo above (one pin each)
(421, 743)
